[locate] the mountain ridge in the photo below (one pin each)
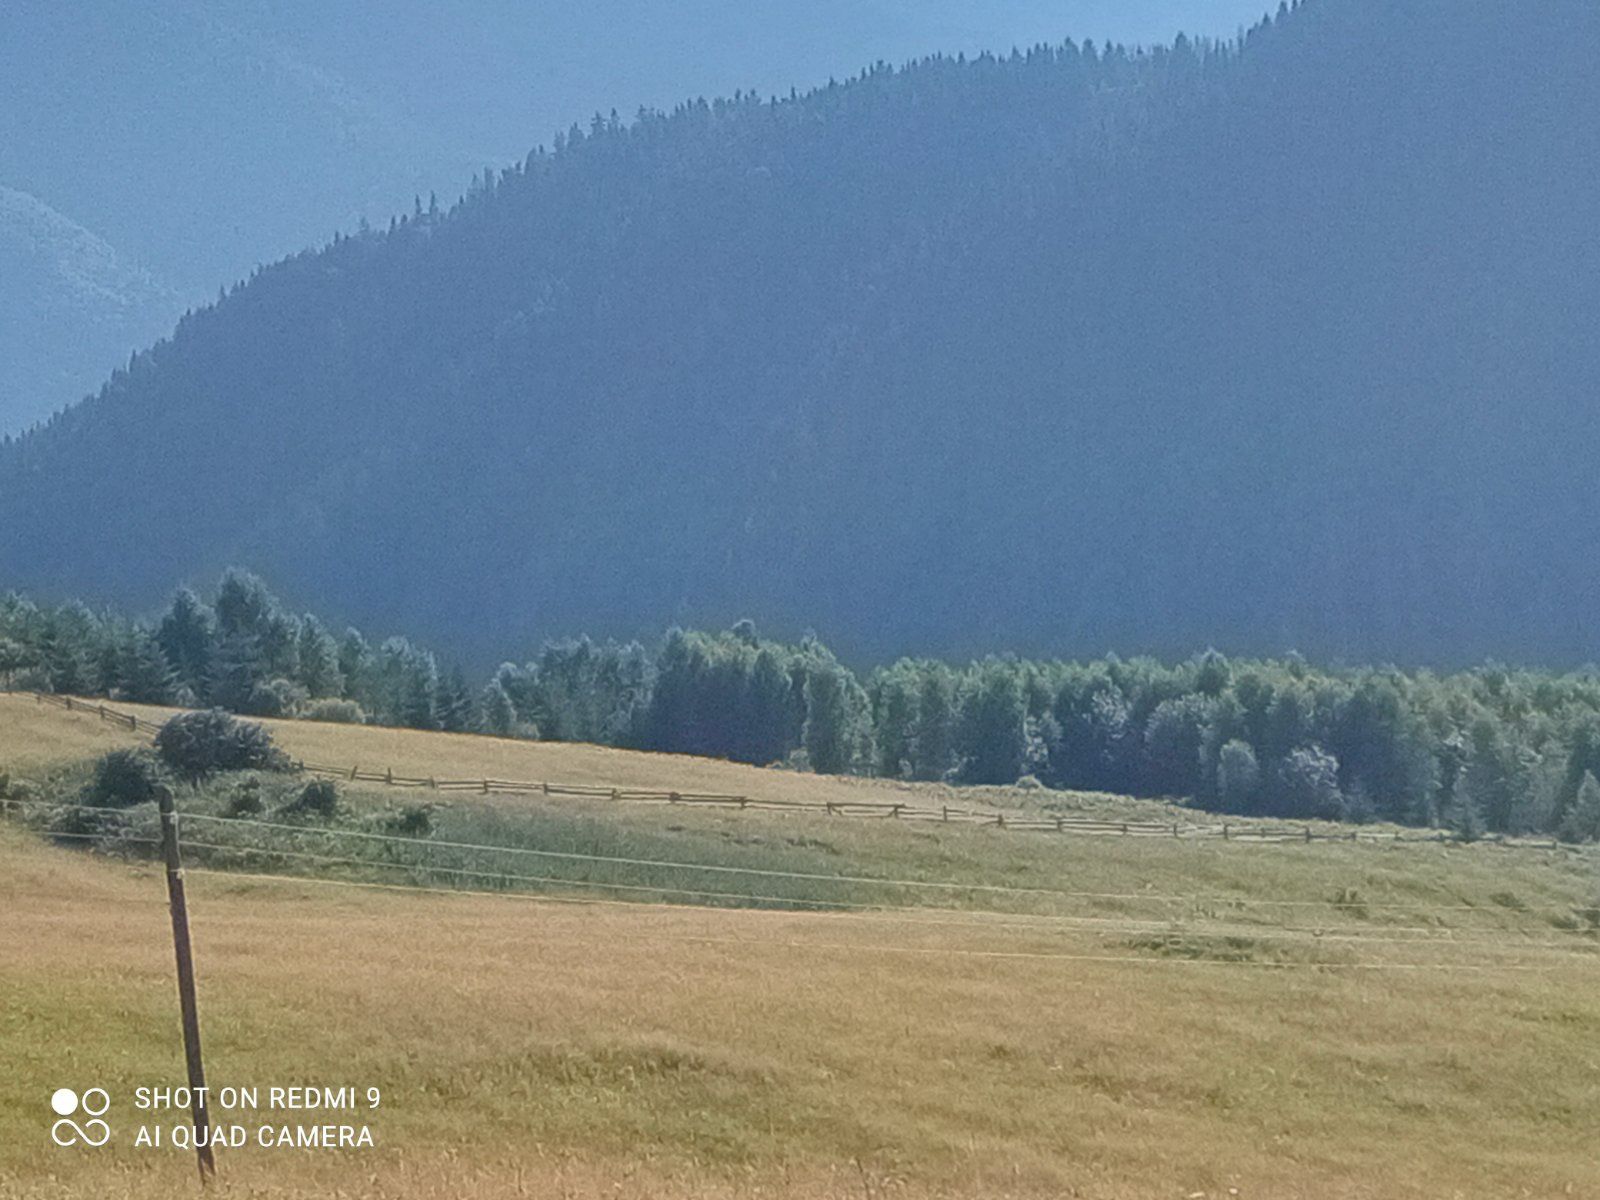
(1210, 345)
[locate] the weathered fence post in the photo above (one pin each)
(186, 993)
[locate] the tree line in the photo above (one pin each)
(1493, 749)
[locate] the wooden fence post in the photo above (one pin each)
(186, 995)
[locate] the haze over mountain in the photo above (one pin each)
(1283, 345)
(194, 140)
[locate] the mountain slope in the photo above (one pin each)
(203, 138)
(71, 306)
(1286, 345)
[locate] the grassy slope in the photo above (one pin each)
(407, 752)
(532, 1048)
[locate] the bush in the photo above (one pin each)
(196, 745)
(245, 800)
(123, 779)
(75, 824)
(319, 799)
(275, 698)
(338, 712)
(415, 820)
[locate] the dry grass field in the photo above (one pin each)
(1216, 1020)
(374, 748)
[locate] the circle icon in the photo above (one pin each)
(64, 1102)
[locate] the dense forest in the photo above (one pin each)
(1486, 751)
(1280, 342)
(122, 199)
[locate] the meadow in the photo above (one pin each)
(1099, 1017)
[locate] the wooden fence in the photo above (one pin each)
(1249, 831)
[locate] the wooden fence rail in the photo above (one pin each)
(885, 810)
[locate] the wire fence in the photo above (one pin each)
(479, 853)
(1190, 938)
(1249, 831)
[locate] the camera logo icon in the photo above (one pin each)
(66, 1103)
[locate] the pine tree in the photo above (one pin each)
(455, 703)
(317, 660)
(235, 673)
(145, 675)
(188, 641)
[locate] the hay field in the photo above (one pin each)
(409, 752)
(535, 1047)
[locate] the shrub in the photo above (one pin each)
(1030, 783)
(245, 800)
(275, 698)
(415, 820)
(123, 779)
(338, 712)
(319, 799)
(196, 745)
(75, 824)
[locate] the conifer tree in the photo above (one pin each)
(187, 639)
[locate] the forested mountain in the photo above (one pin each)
(1285, 343)
(201, 137)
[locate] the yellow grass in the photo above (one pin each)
(537, 1048)
(65, 736)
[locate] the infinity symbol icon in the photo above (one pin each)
(87, 1134)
